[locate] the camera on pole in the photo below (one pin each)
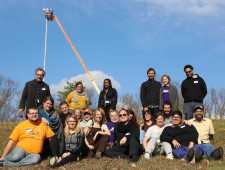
(48, 13)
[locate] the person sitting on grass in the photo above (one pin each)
(126, 144)
(182, 137)
(74, 141)
(86, 121)
(148, 122)
(26, 141)
(96, 137)
(48, 114)
(152, 142)
(114, 119)
(205, 129)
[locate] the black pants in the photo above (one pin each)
(130, 150)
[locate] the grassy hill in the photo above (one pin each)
(157, 163)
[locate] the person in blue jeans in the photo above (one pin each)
(26, 141)
(181, 136)
(206, 132)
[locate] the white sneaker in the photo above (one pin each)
(133, 165)
(170, 157)
(147, 156)
(53, 161)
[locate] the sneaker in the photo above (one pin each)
(53, 161)
(217, 153)
(147, 156)
(190, 155)
(133, 165)
(170, 157)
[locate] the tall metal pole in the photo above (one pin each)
(46, 39)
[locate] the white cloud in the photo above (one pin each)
(193, 7)
(99, 76)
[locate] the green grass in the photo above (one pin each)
(157, 163)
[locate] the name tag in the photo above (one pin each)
(195, 82)
(183, 126)
(107, 102)
(165, 91)
(43, 88)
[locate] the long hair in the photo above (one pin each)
(76, 128)
(110, 83)
(101, 111)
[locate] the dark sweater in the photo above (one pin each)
(108, 100)
(193, 89)
(150, 93)
(129, 130)
(184, 134)
(33, 94)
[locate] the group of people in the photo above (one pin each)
(73, 131)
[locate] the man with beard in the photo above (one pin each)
(206, 133)
(150, 93)
(34, 92)
(26, 141)
(107, 98)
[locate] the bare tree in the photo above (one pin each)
(9, 95)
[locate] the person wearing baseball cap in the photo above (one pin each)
(206, 132)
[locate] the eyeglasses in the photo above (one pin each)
(122, 115)
(40, 75)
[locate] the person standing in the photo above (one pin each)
(107, 98)
(193, 90)
(78, 98)
(34, 92)
(150, 92)
(168, 93)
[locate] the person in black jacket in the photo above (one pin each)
(34, 92)
(193, 90)
(126, 144)
(107, 98)
(150, 93)
(182, 137)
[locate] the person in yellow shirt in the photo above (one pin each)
(205, 129)
(78, 98)
(26, 141)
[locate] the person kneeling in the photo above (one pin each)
(26, 141)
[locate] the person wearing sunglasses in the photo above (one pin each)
(34, 92)
(126, 142)
(193, 90)
(181, 137)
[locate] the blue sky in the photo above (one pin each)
(121, 39)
